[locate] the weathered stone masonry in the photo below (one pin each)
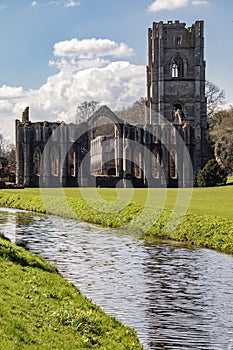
(176, 80)
(167, 150)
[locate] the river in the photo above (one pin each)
(176, 298)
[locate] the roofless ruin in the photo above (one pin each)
(167, 150)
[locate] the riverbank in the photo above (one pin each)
(40, 310)
(207, 221)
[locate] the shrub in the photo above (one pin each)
(211, 175)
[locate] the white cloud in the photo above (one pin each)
(72, 3)
(65, 3)
(159, 5)
(88, 48)
(200, 2)
(5, 106)
(9, 92)
(116, 84)
(3, 7)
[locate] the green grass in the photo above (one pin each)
(40, 310)
(208, 219)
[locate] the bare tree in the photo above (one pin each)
(85, 110)
(134, 114)
(215, 98)
(7, 150)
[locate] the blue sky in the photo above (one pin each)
(57, 53)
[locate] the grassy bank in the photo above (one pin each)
(40, 310)
(208, 221)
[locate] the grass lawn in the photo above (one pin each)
(201, 216)
(40, 310)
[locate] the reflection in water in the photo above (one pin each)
(192, 299)
(175, 298)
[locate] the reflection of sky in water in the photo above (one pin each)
(175, 298)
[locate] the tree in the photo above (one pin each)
(211, 175)
(221, 135)
(7, 150)
(215, 97)
(134, 114)
(85, 110)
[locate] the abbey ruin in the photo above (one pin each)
(167, 150)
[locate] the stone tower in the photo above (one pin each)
(176, 81)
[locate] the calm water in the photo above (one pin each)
(175, 298)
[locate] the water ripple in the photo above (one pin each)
(175, 298)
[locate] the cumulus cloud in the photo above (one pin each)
(89, 48)
(9, 92)
(115, 83)
(159, 5)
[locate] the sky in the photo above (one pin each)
(55, 54)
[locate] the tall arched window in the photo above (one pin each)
(37, 161)
(54, 162)
(72, 162)
(175, 71)
(155, 165)
(137, 164)
(173, 164)
(177, 67)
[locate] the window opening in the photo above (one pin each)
(175, 71)
(72, 161)
(155, 165)
(173, 165)
(178, 40)
(37, 162)
(177, 68)
(54, 163)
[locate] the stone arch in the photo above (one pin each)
(178, 116)
(178, 66)
(106, 131)
(112, 172)
(104, 116)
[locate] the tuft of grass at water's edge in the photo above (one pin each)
(41, 310)
(207, 223)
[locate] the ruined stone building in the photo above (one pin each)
(167, 150)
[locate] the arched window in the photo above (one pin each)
(178, 114)
(37, 161)
(38, 132)
(155, 165)
(54, 132)
(54, 162)
(175, 71)
(177, 67)
(173, 164)
(72, 163)
(137, 164)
